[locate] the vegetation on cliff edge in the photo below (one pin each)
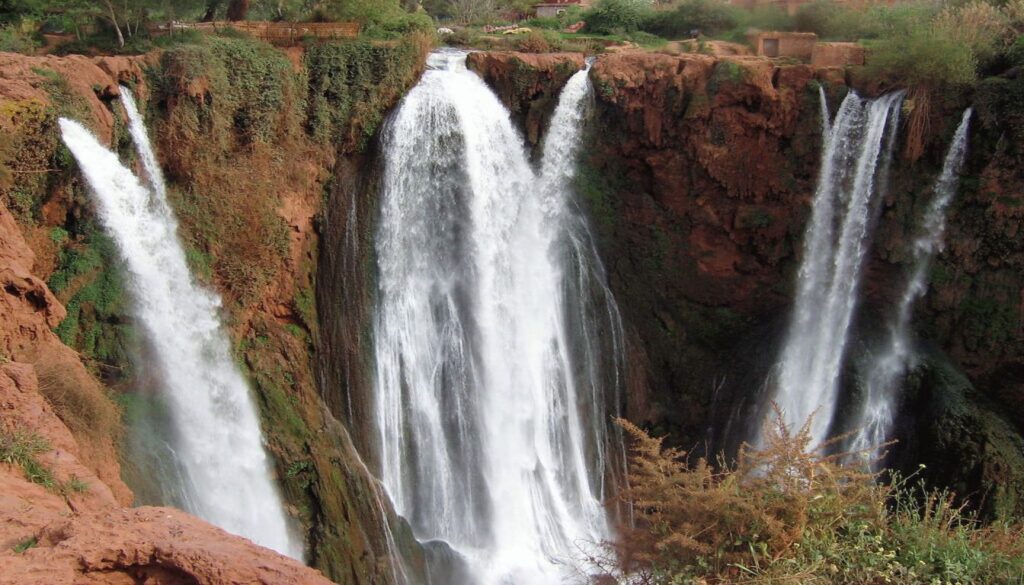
(785, 513)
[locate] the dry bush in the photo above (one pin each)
(786, 513)
(919, 126)
(980, 25)
(79, 401)
(724, 516)
(534, 42)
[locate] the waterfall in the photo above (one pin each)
(216, 434)
(497, 346)
(834, 245)
(884, 373)
(826, 121)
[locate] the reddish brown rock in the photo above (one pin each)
(70, 527)
(20, 79)
(528, 83)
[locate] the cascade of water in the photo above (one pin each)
(217, 437)
(497, 345)
(830, 270)
(882, 379)
(826, 120)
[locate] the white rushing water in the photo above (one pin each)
(834, 245)
(885, 371)
(497, 345)
(217, 438)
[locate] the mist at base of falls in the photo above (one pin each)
(498, 347)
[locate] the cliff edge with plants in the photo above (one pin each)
(698, 179)
(249, 137)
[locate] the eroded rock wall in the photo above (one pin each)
(699, 172)
(249, 137)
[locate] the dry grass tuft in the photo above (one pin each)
(79, 401)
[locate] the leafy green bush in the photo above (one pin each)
(923, 58)
(1016, 52)
(706, 16)
(350, 81)
(14, 40)
(833, 21)
(616, 16)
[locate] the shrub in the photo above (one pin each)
(763, 18)
(706, 16)
(833, 21)
(14, 40)
(924, 58)
(616, 16)
(789, 514)
(78, 400)
(1016, 52)
(979, 25)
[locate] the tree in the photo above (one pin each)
(212, 6)
(111, 15)
(467, 11)
(237, 9)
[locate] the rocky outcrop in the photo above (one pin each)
(528, 83)
(62, 519)
(699, 187)
(61, 524)
(229, 122)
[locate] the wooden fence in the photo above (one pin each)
(278, 33)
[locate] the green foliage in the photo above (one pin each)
(923, 58)
(74, 485)
(14, 39)
(617, 16)
(835, 21)
(351, 82)
(22, 449)
(1000, 106)
(1016, 52)
(96, 324)
(305, 304)
(707, 16)
(375, 15)
(25, 545)
(67, 103)
(30, 153)
(763, 18)
(987, 324)
(302, 471)
(253, 84)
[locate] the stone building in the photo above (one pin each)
(784, 44)
(555, 8)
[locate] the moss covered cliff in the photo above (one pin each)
(249, 137)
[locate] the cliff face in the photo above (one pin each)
(699, 174)
(62, 519)
(528, 83)
(249, 137)
(700, 187)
